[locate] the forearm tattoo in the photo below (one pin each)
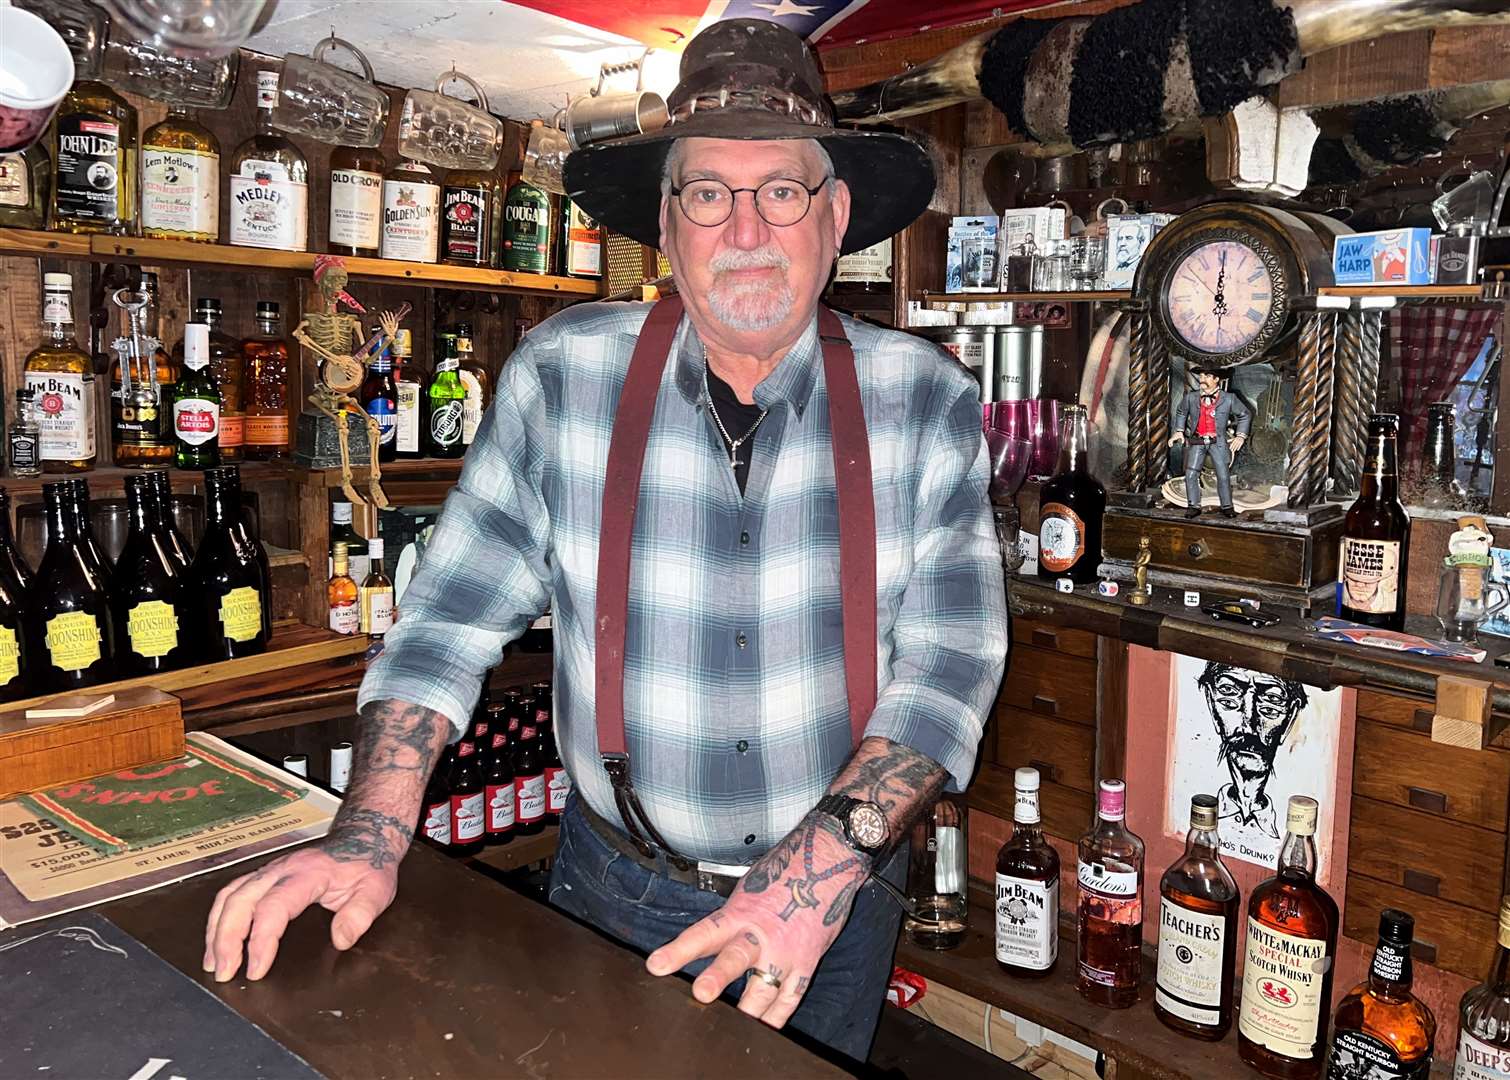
(898, 779)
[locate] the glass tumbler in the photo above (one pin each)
(938, 871)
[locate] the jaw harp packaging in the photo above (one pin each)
(1396, 257)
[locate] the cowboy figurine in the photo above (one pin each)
(1201, 423)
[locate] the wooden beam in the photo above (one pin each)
(1399, 64)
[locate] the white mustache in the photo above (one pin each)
(755, 259)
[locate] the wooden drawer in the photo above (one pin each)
(1066, 811)
(1050, 684)
(1421, 852)
(1063, 753)
(1450, 936)
(1275, 555)
(1405, 712)
(1042, 635)
(1396, 765)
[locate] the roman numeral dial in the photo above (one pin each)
(1220, 296)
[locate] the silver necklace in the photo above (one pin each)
(733, 444)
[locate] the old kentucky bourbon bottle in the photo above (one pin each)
(1110, 920)
(1070, 508)
(1376, 536)
(1027, 889)
(1484, 1017)
(1382, 1030)
(1291, 950)
(1198, 905)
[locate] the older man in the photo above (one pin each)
(763, 531)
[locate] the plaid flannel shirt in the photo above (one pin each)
(735, 707)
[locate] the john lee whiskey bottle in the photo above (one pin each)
(1382, 1030)
(1484, 1017)
(1027, 889)
(180, 179)
(61, 379)
(1070, 508)
(1110, 920)
(1290, 952)
(1198, 906)
(94, 151)
(1376, 536)
(269, 184)
(356, 200)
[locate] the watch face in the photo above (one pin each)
(868, 825)
(1220, 296)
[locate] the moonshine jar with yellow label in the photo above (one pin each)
(15, 667)
(226, 578)
(1070, 508)
(70, 611)
(149, 607)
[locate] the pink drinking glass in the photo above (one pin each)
(1043, 430)
(1011, 419)
(1009, 463)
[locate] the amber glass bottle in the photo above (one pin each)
(60, 376)
(180, 179)
(1376, 536)
(139, 437)
(356, 200)
(25, 188)
(1198, 908)
(265, 385)
(1381, 1028)
(94, 155)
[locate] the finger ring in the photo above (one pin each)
(766, 977)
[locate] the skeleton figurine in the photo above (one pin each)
(336, 337)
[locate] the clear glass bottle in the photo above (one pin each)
(265, 388)
(356, 201)
(60, 376)
(1484, 1017)
(1381, 1029)
(342, 594)
(477, 382)
(376, 593)
(24, 438)
(269, 182)
(94, 155)
(409, 388)
(1071, 507)
(1198, 908)
(181, 179)
(25, 188)
(1027, 889)
(1109, 950)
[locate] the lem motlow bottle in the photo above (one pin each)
(70, 609)
(227, 578)
(148, 603)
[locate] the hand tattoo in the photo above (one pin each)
(803, 895)
(361, 836)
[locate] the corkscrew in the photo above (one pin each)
(137, 352)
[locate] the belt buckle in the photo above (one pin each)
(719, 878)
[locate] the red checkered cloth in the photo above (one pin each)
(1433, 348)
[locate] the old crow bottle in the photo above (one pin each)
(228, 583)
(148, 601)
(69, 607)
(1198, 907)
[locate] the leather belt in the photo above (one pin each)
(718, 878)
(1204, 440)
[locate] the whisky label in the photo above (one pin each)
(1061, 537)
(181, 191)
(356, 208)
(65, 413)
(241, 614)
(269, 209)
(15, 181)
(471, 407)
(1477, 1060)
(867, 266)
(584, 244)
(136, 421)
(87, 174)
(266, 429)
(1192, 945)
(73, 640)
(1371, 575)
(1282, 978)
(232, 430)
(196, 420)
(468, 218)
(153, 628)
(10, 656)
(407, 421)
(1358, 1055)
(1027, 922)
(411, 220)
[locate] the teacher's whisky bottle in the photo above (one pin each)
(1027, 889)
(1070, 508)
(1376, 537)
(1382, 1030)
(1291, 950)
(1109, 872)
(1198, 909)
(1484, 1017)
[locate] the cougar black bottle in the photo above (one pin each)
(10, 556)
(1070, 508)
(1376, 537)
(148, 602)
(226, 578)
(167, 527)
(70, 612)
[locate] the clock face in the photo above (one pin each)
(1220, 296)
(868, 825)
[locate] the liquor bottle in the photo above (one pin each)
(1439, 457)
(356, 201)
(470, 204)
(340, 767)
(498, 779)
(356, 545)
(1376, 536)
(83, 527)
(139, 436)
(265, 388)
(475, 380)
(862, 279)
(376, 596)
(148, 603)
(226, 366)
(228, 582)
(61, 378)
(345, 615)
(1484, 1017)
(379, 396)
(15, 646)
(468, 812)
(94, 154)
(269, 182)
(167, 527)
(180, 179)
(24, 439)
(411, 213)
(529, 782)
(1027, 889)
(435, 808)
(1382, 1031)
(526, 228)
(409, 388)
(1198, 908)
(581, 242)
(1110, 919)
(25, 188)
(1070, 508)
(445, 403)
(1289, 955)
(196, 404)
(69, 608)
(12, 565)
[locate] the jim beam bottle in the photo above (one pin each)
(1198, 909)
(269, 182)
(1382, 1030)
(1484, 1017)
(180, 179)
(470, 206)
(94, 153)
(61, 378)
(1070, 508)
(1027, 889)
(1110, 917)
(1376, 536)
(356, 201)
(1290, 951)
(411, 213)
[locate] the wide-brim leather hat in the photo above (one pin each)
(750, 79)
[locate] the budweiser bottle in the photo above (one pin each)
(468, 816)
(435, 813)
(498, 779)
(529, 782)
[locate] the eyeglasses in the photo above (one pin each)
(778, 202)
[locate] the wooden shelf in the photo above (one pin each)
(227, 257)
(110, 480)
(1404, 292)
(402, 469)
(1025, 297)
(521, 851)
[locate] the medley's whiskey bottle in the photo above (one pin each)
(1198, 908)
(265, 387)
(69, 605)
(228, 583)
(356, 200)
(141, 433)
(1110, 922)
(1290, 952)
(269, 182)
(446, 403)
(342, 594)
(196, 404)
(471, 202)
(1027, 889)
(1382, 1031)
(475, 380)
(61, 378)
(411, 213)
(526, 228)
(1071, 507)
(1484, 1017)
(1376, 536)
(180, 179)
(148, 603)
(94, 152)
(25, 188)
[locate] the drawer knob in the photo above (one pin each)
(1045, 769)
(1046, 705)
(1424, 951)
(1425, 799)
(1045, 638)
(1422, 882)
(1198, 550)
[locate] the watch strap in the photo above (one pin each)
(837, 805)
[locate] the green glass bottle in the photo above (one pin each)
(526, 229)
(196, 404)
(446, 403)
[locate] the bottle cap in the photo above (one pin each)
(1203, 812)
(1112, 803)
(1300, 818)
(57, 281)
(266, 309)
(340, 549)
(207, 303)
(375, 549)
(1025, 779)
(340, 512)
(1396, 926)
(196, 344)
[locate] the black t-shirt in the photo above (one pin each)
(737, 418)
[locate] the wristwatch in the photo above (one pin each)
(864, 823)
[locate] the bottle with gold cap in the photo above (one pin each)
(1198, 909)
(1484, 1017)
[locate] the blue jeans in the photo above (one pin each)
(645, 910)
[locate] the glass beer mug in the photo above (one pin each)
(938, 871)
